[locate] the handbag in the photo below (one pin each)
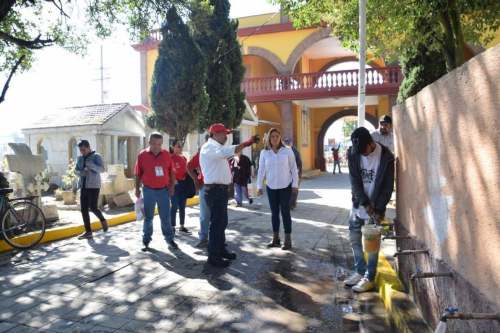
(187, 186)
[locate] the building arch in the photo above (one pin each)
(320, 160)
(271, 57)
(309, 41)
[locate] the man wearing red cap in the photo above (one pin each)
(217, 176)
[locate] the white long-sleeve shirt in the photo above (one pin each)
(214, 164)
(279, 169)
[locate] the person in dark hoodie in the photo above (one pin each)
(371, 171)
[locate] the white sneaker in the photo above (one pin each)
(363, 285)
(353, 280)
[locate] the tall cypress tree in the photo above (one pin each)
(216, 34)
(178, 93)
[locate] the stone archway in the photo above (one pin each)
(309, 41)
(271, 57)
(320, 162)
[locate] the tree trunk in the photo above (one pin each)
(448, 44)
(457, 32)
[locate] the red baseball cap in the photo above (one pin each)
(218, 128)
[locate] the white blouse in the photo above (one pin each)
(279, 169)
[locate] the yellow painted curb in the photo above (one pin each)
(70, 231)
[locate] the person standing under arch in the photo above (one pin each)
(278, 167)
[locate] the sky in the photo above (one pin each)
(62, 79)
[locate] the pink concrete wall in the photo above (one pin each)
(448, 146)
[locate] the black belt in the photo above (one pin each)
(216, 185)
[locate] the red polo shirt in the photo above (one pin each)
(194, 163)
(180, 166)
(154, 170)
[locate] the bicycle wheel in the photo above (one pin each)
(23, 225)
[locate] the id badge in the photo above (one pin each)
(159, 171)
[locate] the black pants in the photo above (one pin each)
(88, 202)
(178, 202)
(279, 200)
(217, 197)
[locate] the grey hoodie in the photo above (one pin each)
(92, 175)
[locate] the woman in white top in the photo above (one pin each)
(277, 166)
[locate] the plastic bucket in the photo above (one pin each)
(371, 238)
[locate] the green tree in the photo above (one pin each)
(178, 92)
(30, 25)
(349, 126)
(216, 34)
(396, 28)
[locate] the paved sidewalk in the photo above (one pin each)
(110, 285)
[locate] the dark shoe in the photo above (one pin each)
(104, 225)
(203, 244)
(288, 242)
(86, 235)
(250, 201)
(218, 262)
(229, 255)
(276, 242)
(146, 246)
(239, 204)
(173, 245)
(184, 229)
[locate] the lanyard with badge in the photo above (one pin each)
(159, 171)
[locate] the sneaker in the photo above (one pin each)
(105, 226)
(184, 230)
(86, 235)
(218, 262)
(363, 285)
(202, 244)
(353, 280)
(146, 246)
(173, 245)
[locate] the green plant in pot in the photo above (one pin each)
(69, 184)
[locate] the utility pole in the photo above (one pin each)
(362, 63)
(101, 76)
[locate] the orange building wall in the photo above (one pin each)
(257, 67)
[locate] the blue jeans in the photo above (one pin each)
(368, 270)
(204, 215)
(239, 192)
(336, 163)
(153, 197)
(279, 200)
(178, 202)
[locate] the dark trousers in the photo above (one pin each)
(88, 202)
(217, 197)
(336, 163)
(279, 200)
(178, 202)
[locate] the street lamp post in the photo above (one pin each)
(362, 63)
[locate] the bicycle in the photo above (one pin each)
(22, 221)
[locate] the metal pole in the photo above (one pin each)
(362, 63)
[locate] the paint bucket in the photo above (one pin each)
(371, 238)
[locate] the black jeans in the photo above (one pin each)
(279, 200)
(88, 201)
(217, 197)
(178, 202)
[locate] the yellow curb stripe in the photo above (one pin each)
(71, 231)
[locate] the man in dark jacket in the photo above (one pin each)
(89, 167)
(371, 171)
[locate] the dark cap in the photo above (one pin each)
(386, 119)
(360, 138)
(83, 143)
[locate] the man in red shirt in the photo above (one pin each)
(194, 170)
(154, 170)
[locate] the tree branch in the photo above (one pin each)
(59, 7)
(12, 72)
(5, 7)
(34, 44)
